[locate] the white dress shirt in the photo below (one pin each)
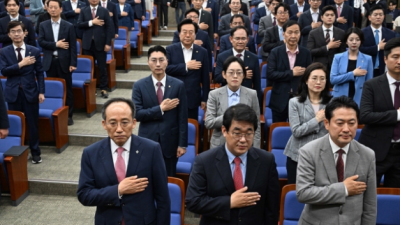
(95, 12)
(235, 53)
(204, 5)
(336, 148)
(14, 19)
(358, 3)
(125, 154)
(56, 29)
(380, 35)
(272, 18)
(23, 48)
(187, 53)
(330, 34)
(162, 86)
(300, 7)
(314, 15)
(121, 8)
(103, 3)
(74, 4)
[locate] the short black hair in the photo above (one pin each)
(285, 6)
(275, 1)
(113, 100)
(236, 16)
(188, 21)
(13, 24)
(232, 59)
(391, 44)
(303, 88)
(328, 8)
(192, 10)
(354, 30)
(289, 23)
(157, 48)
(231, 1)
(393, 2)
(58, 1)
(340, 102)
(239, 112)
(376, 7)
(7, 1)
(233, 30)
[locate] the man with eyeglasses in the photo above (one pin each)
(309, 20)
(12, 7)
(24, 89)
(123, 175)
(205, 21)
(225, 43)
(286, 65)
(274, 35)
(161, 108)
(261, 12)
(266, 22)
(224, 26)
(326, 41)
(375, 38)
(345, 15)
(239, 38)
(189, 63)
(235, 182)
(296, 9)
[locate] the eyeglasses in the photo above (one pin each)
(238, 136)
(290, 33)
(192, 17)
(377, 14)
(283, 13)
(185, 32)
(240, 39)
(154, 60)
(315, 0)
(237, 24)
(123, 124)
(233, 73)
(16, 31)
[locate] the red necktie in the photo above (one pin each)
(239, 55)
(396, 131)
(160, 95)
(237, 174)
(120, 168)
(328, 36)
(274, 23)
(93, 12)
(19, 54)
(340, 165)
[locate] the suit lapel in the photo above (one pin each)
(328, 160)
(308, 107)
(167, 88)
(385, 89)
(351, 161)
(134, 156)
(285, 57)
(107, 159)
(223, 98)
(252, 167)
(195, 52)
(244, 97)
(224, 169)
(150, 88)
(246, 58)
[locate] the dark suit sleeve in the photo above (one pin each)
(4, 124)
(3, 11)
(252, 45)
(183, 116)
(143, 8)
(115, 19)
(67, 11)
(88, 194)
(149, 114)
(72, 45)
(273, 72)
(223, 28)
(39, 21)
(273, 199)
(7, 69)
(293, 13)
(197, 199)
(83, 23)
(21, 10)
(39, 73)
(218, 71)
(224, 10)
(270, 41)
(311, 45)
(132, 16)
(176, 38)
(367, 113)
(3, 32)
(108, 25)
(256, 17)
(205, 76)
(47, 45)
(244, 9)
(305, 28)
(177, 69)
(207, 46)
(222, 45)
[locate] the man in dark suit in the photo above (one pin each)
(225, 43)
(380, 105)
(22, 66)
(201, 36)
(162, 8)
(274, 35)
(368, 9)
(213, 8)
(96, 40)
(139, 7)
(123, 175)
(375, 38)
(189, 63)
(266, 22)
(286, 65)
(261, 12)
(226, 8)
(44, 17)
(4, 12)
(205, 20)
(309, 20)
(345, 15)
(112, 11)
(235, 182)
(224, 26)
(58, 40)
(392, 10)
(326, 41)
(297, 9)
(12, 7)
(239, 38)
(71, 10)
(162, 109)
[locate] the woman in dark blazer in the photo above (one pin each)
(306, 114)
(126, 15)
(351, 68)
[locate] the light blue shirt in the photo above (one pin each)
(233, 97)
(280, 29)
(56, 29)
(243, 157)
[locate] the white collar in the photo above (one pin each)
(58, 21)
(335, 148)
(16, 18)
(235, 52)
(23, 47)
(391, 80)
(373, 29)
(183, 47)
(162, 80)
(324, 28)
(126, 146)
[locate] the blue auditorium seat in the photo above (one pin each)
(267, 111)
(122, 48)
(263, 74)
(388, 207)
(185, 162)
(79, 46)
(136, 38)
(176, 189)
(290, 208)
(147, 28)
(280, 134)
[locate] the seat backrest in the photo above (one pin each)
(388, 209)
(259, 53)
(357, 134)
(78, 47)
(292, 208)
(264, 72)
(176, 189)
(54, 95)
(84, 68)
(122, 35)
(192, 148)
(16, 131)
(279, 138)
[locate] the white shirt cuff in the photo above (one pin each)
(119, 196)
(347, 193)
(162, 113)
(90, 23)
(398, 115)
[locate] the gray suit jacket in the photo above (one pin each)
(265, 23)
(304, 126)
(217, 104)
(225, 28)
(317, 185)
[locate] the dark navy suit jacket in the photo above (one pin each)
(348, 13)
(67, 57)
(305, 20)
(127, 21)
(203, 36)
(294, 10)
(111, 6)
(260, 12)
(98, 184)
(225, 44)
(191, 78)
(3, 11)
(140, 9)
(25, 76)
(214, 12)
(170, 128)
(6, 40)
(370, 48)
(73, 17)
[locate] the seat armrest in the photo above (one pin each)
(16, 150)
(88, 81)
(262, 119)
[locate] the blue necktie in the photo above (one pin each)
(280, 33)
(377, 43)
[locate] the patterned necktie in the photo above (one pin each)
(274, 23)
(340, 165)
(239, 55)
(160, 95)
(19, 54)
(396, 131)
(377, 43)
(237, 174)
(120, 168)
(93, 12)
(328, 36)
(338, 11)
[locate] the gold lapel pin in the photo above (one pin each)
(137, 151)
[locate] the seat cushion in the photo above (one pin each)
(282, 173)
(184, 167)
(175, 219)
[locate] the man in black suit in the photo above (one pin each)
(345, 15)
(139, 7)
(326, 41)
(226, 9)
(97, 34)
(12, 7)
(235, 182)
(309, 20)
(44, 17)
(380, 113)
(286, 65)
(368, 4)
(274, 35)
(205, 20)
(71, 10)
(224, 26)
(112, 10)
(3, 11)
(58, 40)
(297, 9)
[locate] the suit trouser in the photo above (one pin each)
(31, 112)
(170, 165)
(193, 113)
(101, 58)
(291, 168)
(280, 116)
(56, 71)
(390, 167)
(357, 17)
(163, 14)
